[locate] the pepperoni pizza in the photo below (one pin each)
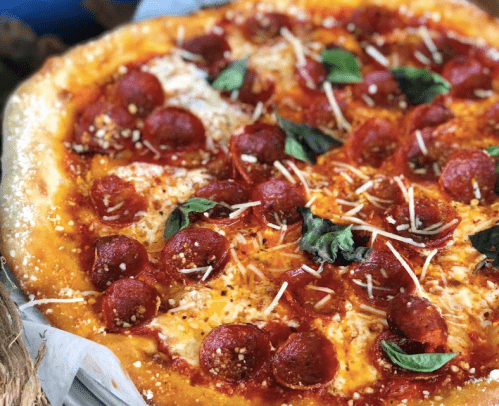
(269, 203)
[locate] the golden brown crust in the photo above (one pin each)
(34, 232)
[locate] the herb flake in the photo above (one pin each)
(426, 362)
(326, 240)
(304, 142)
(232, 77)
(179, 217)
(420, 85)
(342, 66)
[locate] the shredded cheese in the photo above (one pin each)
(297, 46)
(419, 139)
(405, 265)
(311, 271)
(341, 121)
(378, 56)
(48, 301)
(368, 227)
(275, 302)
(299, 175)
(427, 264)
(284, 171)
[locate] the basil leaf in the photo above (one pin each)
(341, 65)
(494, 151)
(487, 242)
(416, 362)
(232, 77)
(179, 217)
(420, 85)
(326, 240)
(304, 142)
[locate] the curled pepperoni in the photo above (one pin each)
(314, 296)
(489, 121)
(234, 352)
(212, 49)
(466, 75)
(469, 174)
(372, 142)
(305, 361)
(116, 201)
(195, 248)
(224, 191)
(422, 156)
(279, 202)
(320, 113)
(139, 92)
(312, 74)
(380, 86)
(374, 19)
(116, 257)
(129, 303)
(416, 319)
(171, 128)
(264, 26)
(381, 277)
(254, 89)
(264, 143)
(434, 220)
(428, 115)
(104, 128)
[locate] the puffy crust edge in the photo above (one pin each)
(37, 118)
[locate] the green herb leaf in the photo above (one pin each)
(487, 243)
(420, 85)
(304, 142)
(179, 217)
(341, 65)
(494, 151)
(232, 77)
(416, 362)
(325, 240)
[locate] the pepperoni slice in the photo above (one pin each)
(254, 89)
(195, 248)
(103, 128)
(423, 155)
(224, 191)
(263, 142)
(264, 26)
(139, 92)
(380, 278)
(312, 296)
(116, 257)
(116, 201)
(129, 303)
(466, 75)
(320, 113)
(372, 142)
(171, 128)
(469, 174)
(280, 201)
(380, 86)
(383, 193)
(428, 115)
(416, 319)
(489, 121)
(212, 49)
(234, 352)
(435, 221)
(374, 19)
(312, 74)
(305, 361)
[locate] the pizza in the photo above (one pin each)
(270, 203)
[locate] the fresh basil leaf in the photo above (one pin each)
(420, 85)
(416, 362)
(342, 66)
(304, 142)
(179, 217)
(487, 243)
(494, 151)
(326, 240)
(232, 77)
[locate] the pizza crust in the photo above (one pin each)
(35, 230)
